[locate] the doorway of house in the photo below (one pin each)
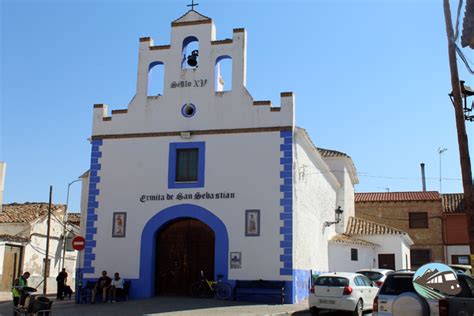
(183, 248)
(11, 266)
(387, 261)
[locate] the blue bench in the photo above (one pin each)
(256, 288)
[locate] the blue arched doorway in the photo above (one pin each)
(145, 286)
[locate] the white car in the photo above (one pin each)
(377, 276)
(342, 291)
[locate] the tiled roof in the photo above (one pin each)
(397, 196)
(329, 153)
(74, 218)
(453, 203)
(12, 238)
(346, 239)
(26, 212)
(467, 36)
(359, 226)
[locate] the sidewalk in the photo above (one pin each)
(167, 306)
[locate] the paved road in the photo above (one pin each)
(172, 306)
(167, 306)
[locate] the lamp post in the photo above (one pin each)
(65, 221)
(440, 152)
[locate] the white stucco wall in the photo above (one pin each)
(390, 244)
(34, 253)
(340, 257)
(457, 250)
(345, 194)
(247, 165)
(314, 203)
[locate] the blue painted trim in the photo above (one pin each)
(301, 284)
(92, 206)
(172, 184)
(286, 213)
(144, 286)
(184, 113)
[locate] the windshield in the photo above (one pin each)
(395, 285)
(372, 275)
(332, 281)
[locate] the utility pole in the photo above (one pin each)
(46, 257)
(461, 128)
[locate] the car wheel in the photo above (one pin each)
(314, 311)
(359, 309)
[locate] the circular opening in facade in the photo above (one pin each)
(188, 110)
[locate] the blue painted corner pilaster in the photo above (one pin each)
(92, 205)
(286, 203)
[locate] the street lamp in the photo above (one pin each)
(440, 152)
(65, 221)
(338, 212)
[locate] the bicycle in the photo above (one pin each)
(205, 288)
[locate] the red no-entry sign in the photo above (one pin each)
(78, 243)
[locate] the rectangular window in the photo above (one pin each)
(418, 219)
(186, 164)
(420, 257)
(354, 254)
(460, 259)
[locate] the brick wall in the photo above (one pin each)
(395, 214)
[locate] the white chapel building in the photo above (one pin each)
(204, 178)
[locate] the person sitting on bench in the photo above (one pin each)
(103, 284)
(117, 287)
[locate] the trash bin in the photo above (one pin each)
(40, 303)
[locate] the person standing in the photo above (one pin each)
(18, 286)
(117, 287)
(61, 281)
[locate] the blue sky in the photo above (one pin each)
(371, 79)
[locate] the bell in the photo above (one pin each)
(192, 59)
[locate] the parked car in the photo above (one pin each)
(377, 276)
(397, 297)
(342, 291)
(464, 268)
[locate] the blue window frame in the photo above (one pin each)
(173, 182)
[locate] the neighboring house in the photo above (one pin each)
(420, 214)
(367, 244)
(455, 228)
(203, 177)
(23, 229)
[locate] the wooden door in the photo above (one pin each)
(11, 266)
(183, 249)
(387, 261)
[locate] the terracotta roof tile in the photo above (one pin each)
(346, 239)
(5, 237)
(74, 218)
(329, 153)
(453, 203)
(26, 212)
(359, 226)
(397, 196)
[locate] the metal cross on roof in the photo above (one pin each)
(192, 5)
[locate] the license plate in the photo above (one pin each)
(327, 302)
